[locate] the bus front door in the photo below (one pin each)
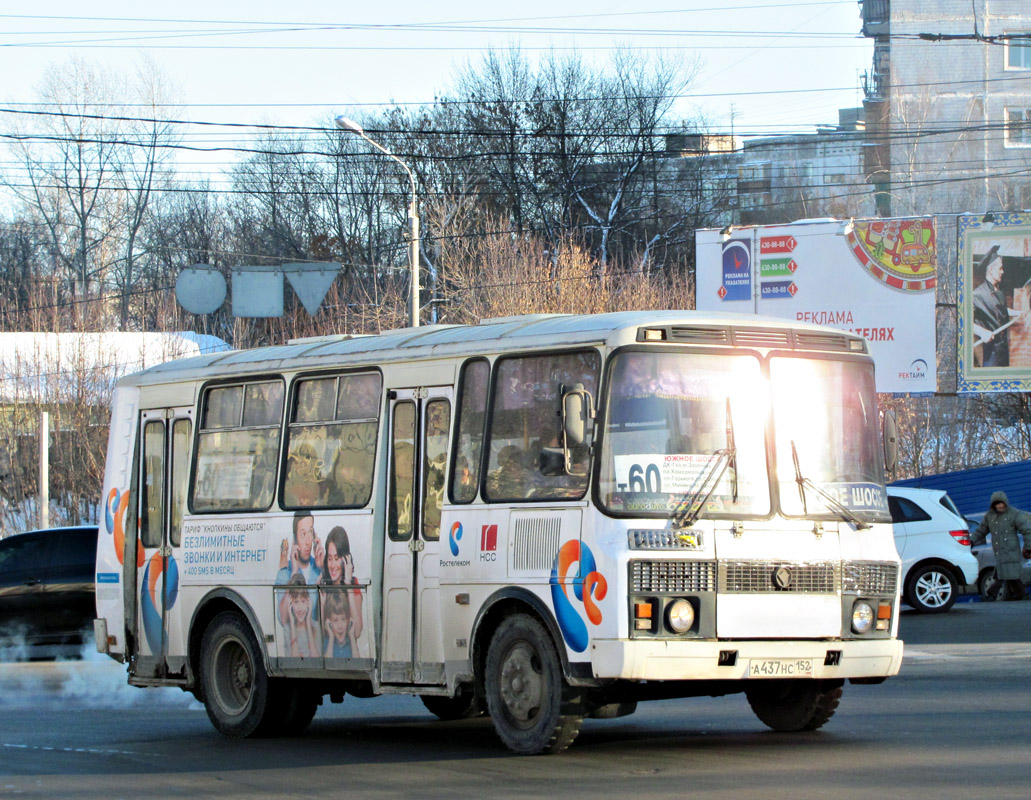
(164, 474)
(413, 647)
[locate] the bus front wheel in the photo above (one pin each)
(794, 705)
(233, 678)
(524, 686)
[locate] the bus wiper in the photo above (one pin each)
(732, 454)
(689, 509)
(831, 502)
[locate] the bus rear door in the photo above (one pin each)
(420, 422)
(164, 474)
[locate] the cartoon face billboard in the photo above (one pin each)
(873, 277)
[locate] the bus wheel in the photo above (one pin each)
(464, 705)
(801, 705)
(294, 706)
(524, 686)
(235, 685)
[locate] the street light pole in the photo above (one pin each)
(413, 216)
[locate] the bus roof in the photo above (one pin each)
(499, 335)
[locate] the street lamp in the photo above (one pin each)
(413, 215)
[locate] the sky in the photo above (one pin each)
(763, 67)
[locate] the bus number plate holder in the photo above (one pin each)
(780, 668)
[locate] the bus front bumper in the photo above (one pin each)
(744, 660)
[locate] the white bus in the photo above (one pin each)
(540, 518)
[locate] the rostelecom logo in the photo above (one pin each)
(454, 537)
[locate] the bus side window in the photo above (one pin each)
(331, 444)
(238, 447)
(438, 426)
(182, 430)
(526, 426)
(152, 512)
(402, 476)
(472, 410)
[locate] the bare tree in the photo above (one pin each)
(69, 155)
(143, 167)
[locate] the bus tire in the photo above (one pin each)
(235, 684)
(464, 705)
(524, 687)
(295, 708)
(794, 705)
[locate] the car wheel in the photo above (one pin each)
(524, 685)
(794, 705)
(989, 586)
(931, 589)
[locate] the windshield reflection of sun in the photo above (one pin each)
(800, 410)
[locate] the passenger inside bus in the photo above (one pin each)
(348, 480)
(304, 474)
(511, 480)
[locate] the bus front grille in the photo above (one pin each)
(672, 576)
(819, 577)
(869, 577)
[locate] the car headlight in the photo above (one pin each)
(680, 616)
(862, 617)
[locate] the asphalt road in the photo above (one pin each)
(955, 724)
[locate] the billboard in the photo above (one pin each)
(873, 277)
(994, 284)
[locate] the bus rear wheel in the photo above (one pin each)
(794, 705)
(293, 708)
(233, 678)
(524, 686)
(464, 705)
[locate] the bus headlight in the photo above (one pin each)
(680, 616)
(862, 617)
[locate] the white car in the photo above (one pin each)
(933, 541)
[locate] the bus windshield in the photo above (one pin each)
(689, 429)
(826, 419)
(670, 417)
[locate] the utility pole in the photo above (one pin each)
(43, 495)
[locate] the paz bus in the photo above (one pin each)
(540, 518)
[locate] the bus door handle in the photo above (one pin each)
(416, 545)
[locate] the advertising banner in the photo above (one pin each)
(994, 309)
(872, 277)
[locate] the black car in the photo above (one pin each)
(47, 587)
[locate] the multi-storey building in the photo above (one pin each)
(784, 178)
(948, 105)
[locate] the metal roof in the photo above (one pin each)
(430, 341)
(970, 489)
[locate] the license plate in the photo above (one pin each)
(780, 668)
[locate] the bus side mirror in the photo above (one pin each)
(577, 409)
(891, 446)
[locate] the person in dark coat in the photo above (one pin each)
(1003, 522)
(991, 314)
